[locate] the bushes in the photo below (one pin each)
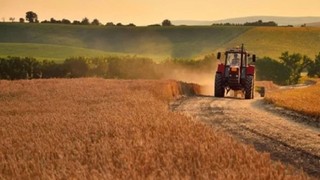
(76, 67)
(314, 68)
(283, 72)
(288, 70)
(19, 68)
(126, 67)
(50, 69)
(272, 70)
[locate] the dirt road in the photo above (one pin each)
(256, 123)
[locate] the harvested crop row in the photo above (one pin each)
(95, 128)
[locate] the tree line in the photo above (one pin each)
(284, 72)
(32, 17)
(126, 67)
(256, 23)
(288, 70)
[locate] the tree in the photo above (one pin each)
(314, 67)
(154, 25)
(52, 20)
(85, 21)
(272, 70)
(65, 21)
(296, 63)
(50, 69)
(261, 23)
(119, 24)
(131, 25)
(45, 21)
(95, 22)
(76, 22)
(31, 17)
(110, 24)
(21, 20)
(166, 22)
(76, 67)
(12, 19)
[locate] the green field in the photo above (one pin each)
(50, 52)
(272, 41)
(162, 42)
(57, 42)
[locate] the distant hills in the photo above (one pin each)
(281, 21)
(315, 24)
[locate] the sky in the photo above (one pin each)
(145, 12)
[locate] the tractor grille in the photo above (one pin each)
(234, 83)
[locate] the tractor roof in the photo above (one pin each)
(236, 50)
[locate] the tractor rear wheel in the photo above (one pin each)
(218, 86)
(249, 88)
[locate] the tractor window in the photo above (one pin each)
(233, 59)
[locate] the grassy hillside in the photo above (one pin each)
(280, 20)
(314, 24)
(272, 41)
(49, 52)
(157, 41)
(58, 41)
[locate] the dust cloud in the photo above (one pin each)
(204, 79)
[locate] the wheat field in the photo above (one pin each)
(304, 100)
(116, 129)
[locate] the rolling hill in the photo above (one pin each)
(272, 41)
(314, 24)
(56, 41)
(282, 21)
(160, 42)
(50, 52)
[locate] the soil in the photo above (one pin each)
(287, 136)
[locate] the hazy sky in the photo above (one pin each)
(144, 12)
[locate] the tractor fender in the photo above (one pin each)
(220, 68)
(250, 70)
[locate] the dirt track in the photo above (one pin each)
(254, 122)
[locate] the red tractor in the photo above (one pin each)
(235, 73)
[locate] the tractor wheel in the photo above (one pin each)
(262, 91)
(253, 89)
(249, 88)
(218, 86)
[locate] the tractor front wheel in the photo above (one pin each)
(218, 86)
(249, 88)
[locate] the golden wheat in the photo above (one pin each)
(105, 129)
(304, 100)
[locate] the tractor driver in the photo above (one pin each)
(235, 61)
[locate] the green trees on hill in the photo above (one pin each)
(272, 70)
(19, 68)
(260, 23)
(296, 64)
(95, 22)
(166, 22)
(288, 70)
(32, 17)
(85, 21)
(256, 23)
(75, 67)
(314, 67)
